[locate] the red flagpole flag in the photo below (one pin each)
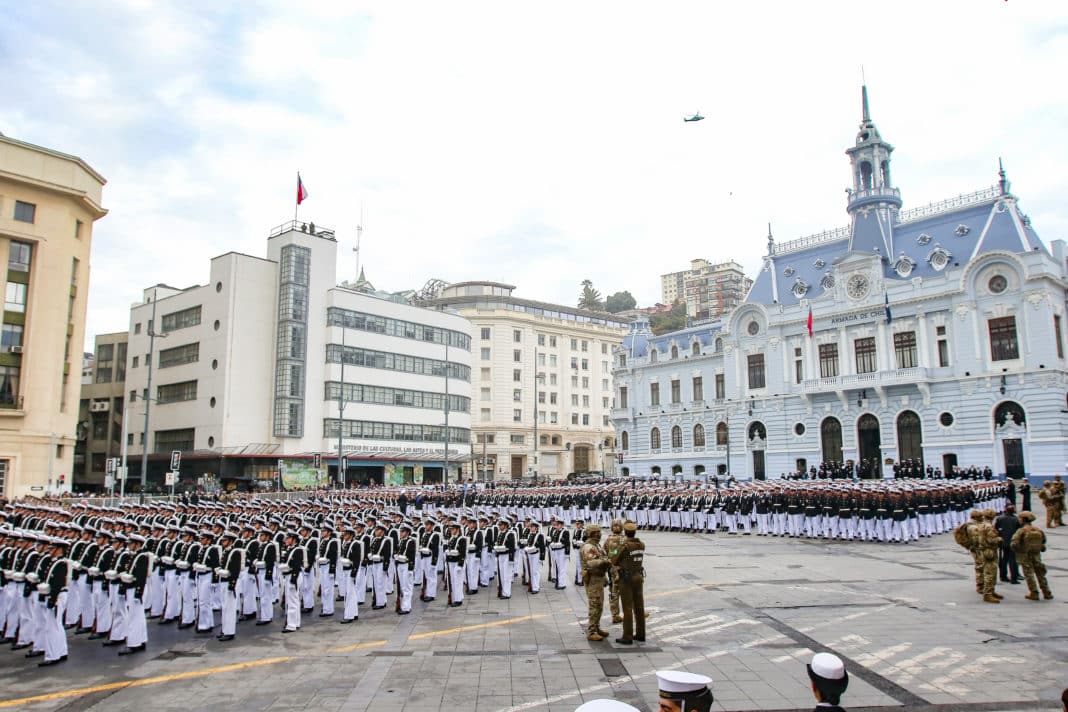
(810, 321)
(302, 192)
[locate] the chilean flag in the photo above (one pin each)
(302, 192)
(810, 321)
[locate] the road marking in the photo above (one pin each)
(146, 681)
(463, 629)
(350, 648)
(673, 592)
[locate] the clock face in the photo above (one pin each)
(857, 286)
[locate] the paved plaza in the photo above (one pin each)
(747, 610)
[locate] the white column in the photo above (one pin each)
(921, 340)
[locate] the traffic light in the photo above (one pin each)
(317, 461)
(62, 478)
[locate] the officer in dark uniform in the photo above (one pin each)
(629, 559)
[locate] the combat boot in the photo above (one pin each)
(989, 598)
(595, 637)
(1048, 595)
(996, 595)
(1031, 597)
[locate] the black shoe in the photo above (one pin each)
(472, 593)
(346, 621)
(70, 627)
(455, 605)
(35, 654)
(130, 651)
(113, 643)
(287, 630)
(534, 593)
(247, 617)
(21, 647)
(151, 618)
(504, 597)
(403, 613)
(57, 661)
(264, 622)
(98, 636)
(1016, 581)
(560, 588)
(205, 631)
(640, 640)
(224, 638)
(306, 610)
(167, 621)
(326, 615)
(183, 626)
(377, 608)
(624, 641)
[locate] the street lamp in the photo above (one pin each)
(152, 334)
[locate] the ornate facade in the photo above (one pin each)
(935, 333)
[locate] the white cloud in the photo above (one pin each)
(535, 145)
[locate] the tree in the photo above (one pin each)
(671, 321)
(590, 298)
(620, 301)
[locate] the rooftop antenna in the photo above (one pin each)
(359, 234)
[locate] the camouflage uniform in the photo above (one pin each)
(1058, 501)
(612, 546)
(970, 540)
(1029, 542)
(987, 543)
(594, 568)
(631, 585)
(1046, 495)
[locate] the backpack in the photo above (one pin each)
(1034, 541)
(960, 535)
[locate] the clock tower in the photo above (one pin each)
(873, 201)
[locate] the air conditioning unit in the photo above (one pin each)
(99, 407)
(14, 349)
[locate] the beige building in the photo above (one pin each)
(541, 383)
(100, 411)
(48, 204)
(709, 289)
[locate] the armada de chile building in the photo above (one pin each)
(937, 334)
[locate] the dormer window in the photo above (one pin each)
(800, 288)
(789, 272)
(904, 265)
(828, 281)
(939, 258)
(962, 230)
(923, 239)
(819, 263)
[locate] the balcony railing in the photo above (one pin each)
(11, 403)
(866, 380)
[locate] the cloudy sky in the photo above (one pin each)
(538, 144)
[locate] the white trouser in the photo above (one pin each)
(577, 560)
(486, 564)
(456, 581)
(102, 599)
(172, 608)
(119, 612)
(75, 597)
(471, 568)
(326, 586)
(136, 625)
(504, 576)
(266, 607)
(89, 603)
(249, 585)
(40, 622)
(229, 610)
(55, 638)
(155, 594)
(430, 579)
(559, 559)
(307, 588)
(292, 588)
(361, 584)
(534, 573)
(205, 613)
(188, 586)
(378, 584)
(352, 596)
(405, 586)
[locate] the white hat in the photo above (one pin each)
(605, 706)
(827, 666)
(677, 681)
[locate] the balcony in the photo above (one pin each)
(865, 380)
(621, 413)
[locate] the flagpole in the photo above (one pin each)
(296, 206)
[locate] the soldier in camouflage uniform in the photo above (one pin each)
(987, 543)
(612, 546)
(594, 569)
(968, 535)
(1029, 542)
(1058, 501)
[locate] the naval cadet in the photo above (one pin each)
(681, 691)
(829, 681)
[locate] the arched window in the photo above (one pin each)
(652, 356)
(719, 344)
(865, 175)
(909, 436)
(1009, 410)
(757, 431)
(696, 348)
(656, 469)
(698, 435)
(654, 438)
(676, 469)
(674, 351)
(721, 434)
(676, 436)
(831, 439)
(624, 440)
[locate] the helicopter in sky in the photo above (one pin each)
(695, 117)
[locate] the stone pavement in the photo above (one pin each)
(747, 610)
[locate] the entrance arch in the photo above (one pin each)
(869, 446)
(582, 458)
(1010, 427)
(909, 436)
(757, 441)
(831, 439)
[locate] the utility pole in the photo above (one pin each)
(125, 415)
(152, 334)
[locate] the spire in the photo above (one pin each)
(771, 241)
(865, 115)
(1003, 181)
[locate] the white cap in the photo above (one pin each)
(827, 666)
(605, 706)
(678, 681)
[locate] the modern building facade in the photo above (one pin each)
(48, 204)
(932, 334)
(100, 412)
(710, 290)
(541, 383)
(260, 368)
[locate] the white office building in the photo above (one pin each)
(253, 371)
